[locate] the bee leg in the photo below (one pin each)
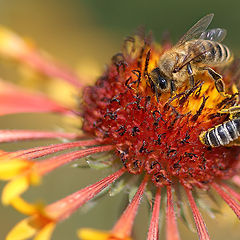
(235, 143)
(190, 72)
(233, 111)
(173, 87)
(219, 84)
(235, 92)
(157, 94)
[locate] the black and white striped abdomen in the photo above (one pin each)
(214, 53)
(222, 134)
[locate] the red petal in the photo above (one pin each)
(123, 227)
(200, 224)
(231, 191)
(231, 203)
(45, 150)
(18, 135)
(16, 100)
(50, 164)
(171, 225)
(154, 224)
(236, 180)
(49, 68)
(66, 206)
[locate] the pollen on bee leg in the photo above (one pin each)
(200, 224)
(154, 224)
(171, 222)
(43, 220)
(227, 198)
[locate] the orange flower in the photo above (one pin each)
(127, 125)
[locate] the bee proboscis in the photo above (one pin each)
(178, 65)
(227, 133)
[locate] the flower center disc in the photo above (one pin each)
(153, 133)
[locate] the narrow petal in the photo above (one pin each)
(16, 100)
(22, 230)
(43, 221)
(123, 227)
(14, 188)
(200, 224)
(50, 164)
(65, 207)
(171, 222)
(31, 173)
(225, 196)
(13, 46)
(231, 191)
(19, 172)
(23, 173)
(26, 208)
(19, 135)
(10, 169)
(154, 224)
(236, 180)
(50, 68)
(46, 232)
(91, 234)
(41, 227)
(37, 152)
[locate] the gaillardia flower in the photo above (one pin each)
(149, 141)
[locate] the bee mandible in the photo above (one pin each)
(178, 65)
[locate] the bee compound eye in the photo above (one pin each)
(162, 82)
(158, 78)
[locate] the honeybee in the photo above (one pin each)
(227, 133)
(189, 56)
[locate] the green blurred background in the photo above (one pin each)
(84, 35)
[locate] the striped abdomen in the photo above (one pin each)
(221, 134)
(211, 53)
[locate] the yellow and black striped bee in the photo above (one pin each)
(227, 133)
(179, 64)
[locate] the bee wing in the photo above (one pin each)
(193, 55)
(216, 34)
(196, 29)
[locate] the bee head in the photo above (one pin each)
(158, 79)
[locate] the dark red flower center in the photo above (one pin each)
(158, 135)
